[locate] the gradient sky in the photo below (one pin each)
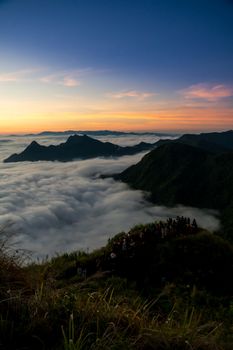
(164, 65)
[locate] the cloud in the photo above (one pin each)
(131, 94)
(70, 82)
(66, 78)
(208, 92)
(58, 207)
(69, 78)
(17, 76)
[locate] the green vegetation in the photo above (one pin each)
(177, 173)
(159, 286)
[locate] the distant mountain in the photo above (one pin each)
(177, 173)
(76, 147)
(98, 133)
(217, 142)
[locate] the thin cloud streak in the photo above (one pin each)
(208, 92)
(17, 76)
(140, 95)
(71, 78)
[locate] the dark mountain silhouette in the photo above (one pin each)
(76, 147)
(217, 142)
(177, 173)
(98, 133)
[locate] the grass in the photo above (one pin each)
(48, 306)
(137, 327)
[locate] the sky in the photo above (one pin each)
(145, 65)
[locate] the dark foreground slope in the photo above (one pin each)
(146, 289)
(75, 147)
(177, 173)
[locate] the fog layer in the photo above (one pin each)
(58, 207)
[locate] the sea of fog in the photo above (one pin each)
(54, 207)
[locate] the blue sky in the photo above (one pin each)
(117, 59)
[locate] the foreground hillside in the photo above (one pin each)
(177, 173)
(164, 285)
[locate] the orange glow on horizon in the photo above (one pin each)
(178, 120)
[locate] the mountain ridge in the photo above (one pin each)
(215, 142)
(179, 173)
(76, 147)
